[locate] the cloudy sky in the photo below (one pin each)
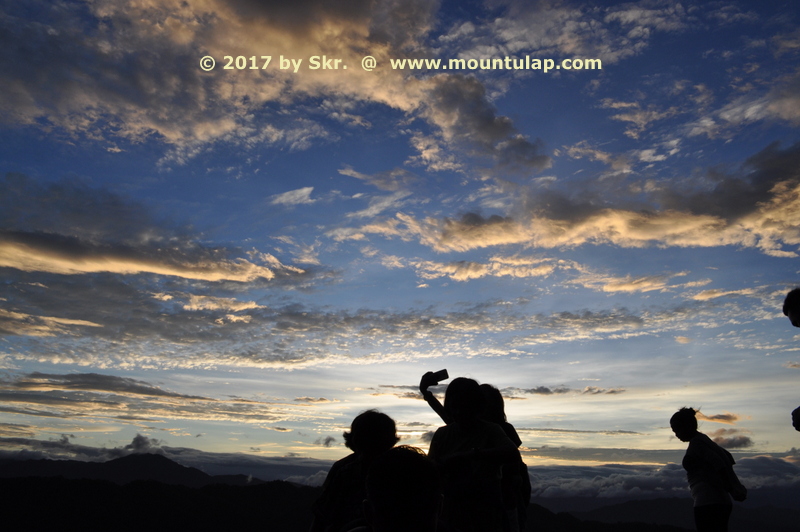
(242, 259)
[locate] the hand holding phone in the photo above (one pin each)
(440, 376)
(432, 379)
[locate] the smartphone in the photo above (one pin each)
(440, 376)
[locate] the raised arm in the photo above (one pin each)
(426, 381)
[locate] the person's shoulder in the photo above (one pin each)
(495, 432)
(442, 432)
(497, 436)
(343, 462)
(492, 427)
(352, 457)
(704, 445)
(511, 432)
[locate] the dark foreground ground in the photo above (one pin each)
(88, 505)
(48, 495)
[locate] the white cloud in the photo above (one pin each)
(200, 302)
(300, 196)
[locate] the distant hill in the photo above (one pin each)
(121, 471)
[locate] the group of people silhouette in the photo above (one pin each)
(473, 478)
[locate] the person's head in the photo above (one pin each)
(796, 418)
(403, 492)
(493, 405)
(791, 306)
(463, 399)
(371, 432)
(684, 423)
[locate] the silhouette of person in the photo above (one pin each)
(339, 507)
(796, 418)
(791, 306)
(515, 482)
(470, 453)
(403, 492)
(709, 470)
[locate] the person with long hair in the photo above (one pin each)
(709, 470)
(470, 453)
(516, 483)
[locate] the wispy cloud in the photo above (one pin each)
(547, 28)
(638, 118)
(706, 295)
(379, 204)
(102, 399)
(498, 266)
(391, 180)
(630, 284)
(313, 400)
(731, 438)
(561, 390)
(301, 196)
(758, 210)
(575, 431)
(71, 229)
(327, 441)
(93, 382)
(726, 418)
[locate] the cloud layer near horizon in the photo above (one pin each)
(618, 480)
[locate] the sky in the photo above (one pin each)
(242, 259)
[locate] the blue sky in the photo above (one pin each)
(241, 261)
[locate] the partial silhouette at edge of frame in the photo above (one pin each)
(791, 306)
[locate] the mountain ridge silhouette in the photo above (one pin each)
(121, 471)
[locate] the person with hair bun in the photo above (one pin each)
(709, 470)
